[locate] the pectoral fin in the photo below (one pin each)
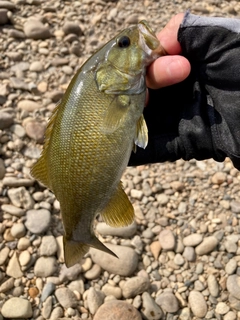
(141, 139)
(119, 211)
(115, 113)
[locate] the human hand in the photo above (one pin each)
(172, 68)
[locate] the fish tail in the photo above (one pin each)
(74, 250)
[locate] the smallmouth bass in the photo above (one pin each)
(91, 134)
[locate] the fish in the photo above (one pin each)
(91, 134)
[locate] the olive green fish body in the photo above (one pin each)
(90, 137)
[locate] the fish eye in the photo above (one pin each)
(124, 42)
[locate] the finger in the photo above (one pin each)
(166, 71)
(168, 35)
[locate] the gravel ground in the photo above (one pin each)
(180, 259)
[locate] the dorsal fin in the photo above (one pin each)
(39, 170)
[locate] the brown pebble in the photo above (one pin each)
(33, 292)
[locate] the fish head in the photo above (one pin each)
(126, 58)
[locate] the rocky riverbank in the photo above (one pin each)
(180, 259)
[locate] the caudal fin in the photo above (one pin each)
(74, 251)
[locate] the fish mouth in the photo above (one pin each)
(149, 42)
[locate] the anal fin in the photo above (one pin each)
(119, 211)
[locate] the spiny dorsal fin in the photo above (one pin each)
(39, 169)
(119, 211)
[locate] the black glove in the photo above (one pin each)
(199, 117)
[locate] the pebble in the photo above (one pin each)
(167, 239)
(72, 27)
(213, 286)
(222, 308)
(47, 308)
(38, 221)
(13, 268)
(93, 273)
(23, 243)
(124, 265)
(150, 309)
(189, 254)
(28, 105)
(18, 230)
(207, 246)
(110, 290)
(192, 240)
(35, 130)
(17, 308)
(168, 302)
(48, 246)
(95, 299)
(235, 206)
(197, 304)
(15, 211)
(134, 286)
(35, 29)
(45, 267)
(48, 289)
(7, 285)
(124, 232)
(231, 266)
(66, 297)
(6, 120)
(71, 273)
(115, 310)
(4, 255)
(219, 177)
(2, 169)
(24, 258)
(21, 198)
(233, 285)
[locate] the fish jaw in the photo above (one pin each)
(149, 42)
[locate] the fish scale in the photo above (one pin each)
(90, 137)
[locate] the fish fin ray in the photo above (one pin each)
(75, 250)
(141, 139)
(115, 113)
(119, 211)
(39, 169)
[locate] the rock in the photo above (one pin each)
(24, 258)
(124, 265)
(7, 285)
(222, 308)
(162, 199)
(38, 221)
(45, 266)
(35, 29)
(23, 243)
(16, 34)
(36, 66)
(116, 310)
(110, 290)
(235, 206)
(150, 310)
(15, 211)
(167, 239)
(207, 246)
(21, 198)
(213, 285)
(189, 254)
(47, 308)
(33, 292)
(3, 16)
(48, 246)
(7, 5)
(197, 304)
(233, 285)
(6, 119)
(18, 130)
(155, 248)
(231, 266)
(28, 105)
(168, 302)
(71, 273)
(15, 182)
(35, 130)
(231, 315)
(17, 308)
(178, 259)
(192, 240)
(2, 169)
(72, 27)
(95, 299)
(13, 268)
(219, 177)
(134, 286)
(18, 230)
(93, 273)
(66, 298)
(4, 255)
(57, 313)
(124, 232)
(48, 289)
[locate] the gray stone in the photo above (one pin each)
(45, 266)
(47, 308)
(95, 299)
(207, 246)
(213, 286)
(167, 239)
(72, 27)
(192, 240)
(189, 254)
(48, 289)
(35, 29)
(3, 16)
(116, 310)
(71, 273)
(168, 302)
(48, 246)
(134, 286)
(38, 221)
(235, 206)
(125, 232)
(231, 266)
(197, 304)
(150, 310)
(124, 265)
(6, 119)
(233, 285)
(17, 308)
(66, 298)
